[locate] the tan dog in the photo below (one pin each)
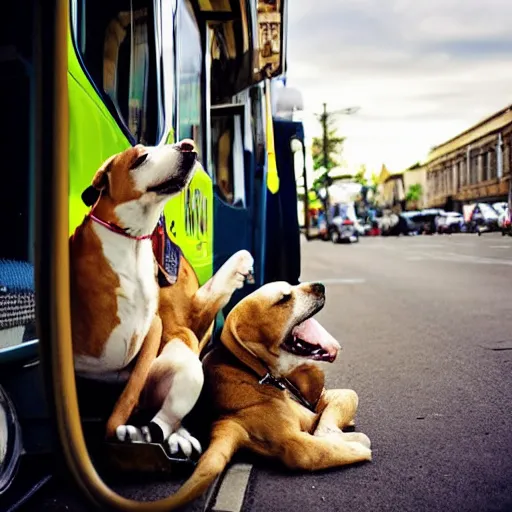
(125, 327)
(272, 345)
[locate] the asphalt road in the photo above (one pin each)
(426, 331)
(427, 334)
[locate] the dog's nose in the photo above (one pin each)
(187, 145)
(318, 289)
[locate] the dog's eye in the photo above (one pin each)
(139, 161)
(284, 299)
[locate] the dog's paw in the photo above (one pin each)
(359, 451)
(131, 434)
(357, 437)
(337, 434)
(183, 441)
(236, 270)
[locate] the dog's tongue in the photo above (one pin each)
(312, 332)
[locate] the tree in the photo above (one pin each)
(414, 193)
(334, 147)
(360, 176)
(326, 150)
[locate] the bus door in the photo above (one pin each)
(231, 164)
(282, 258)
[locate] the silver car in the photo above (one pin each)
(343, 224)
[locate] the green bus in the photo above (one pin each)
(85, 79)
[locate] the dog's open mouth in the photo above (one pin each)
(310, 340)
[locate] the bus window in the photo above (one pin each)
(228, 157)
(258, 124)
(116, 40)
(189, 88)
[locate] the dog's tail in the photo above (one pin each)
(227, 437)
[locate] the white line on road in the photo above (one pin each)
(453, 257)
(230, 497)
(499, 247)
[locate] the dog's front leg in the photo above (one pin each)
(217, 291)
(173, 387)
(137, 380)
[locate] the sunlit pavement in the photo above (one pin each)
(426, 331)
(426, 327)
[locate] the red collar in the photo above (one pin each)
(116, 229)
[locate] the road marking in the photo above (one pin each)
(466, 258)
(338, 280)
(453, 257)
(499, 247)
(230, 497)
(463, 244)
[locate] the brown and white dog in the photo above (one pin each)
(126, 328)
(267, 390)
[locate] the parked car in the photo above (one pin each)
(413, 218)
(500, 207)
(504, 222)
(480, 218)
(427, 220)
(396, 224)
(449, 222)
(342, 224)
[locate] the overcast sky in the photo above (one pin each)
(420, 70)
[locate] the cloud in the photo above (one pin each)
(421, 70)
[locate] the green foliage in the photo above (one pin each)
(414, 193)
(360, 176)
(321, 181)
(334, 148)
(334, 144)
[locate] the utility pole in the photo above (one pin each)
(325, 116)
(325, 138)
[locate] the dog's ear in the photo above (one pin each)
(90, 195)
(233, 340)
(99, 183)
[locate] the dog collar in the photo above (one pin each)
(117, 229)
(258, 367)
(284, 384)
(167, 255)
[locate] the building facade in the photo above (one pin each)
(416, 176)
(473, 166)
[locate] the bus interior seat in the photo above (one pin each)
(17, 304)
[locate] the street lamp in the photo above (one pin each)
(344, 111)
